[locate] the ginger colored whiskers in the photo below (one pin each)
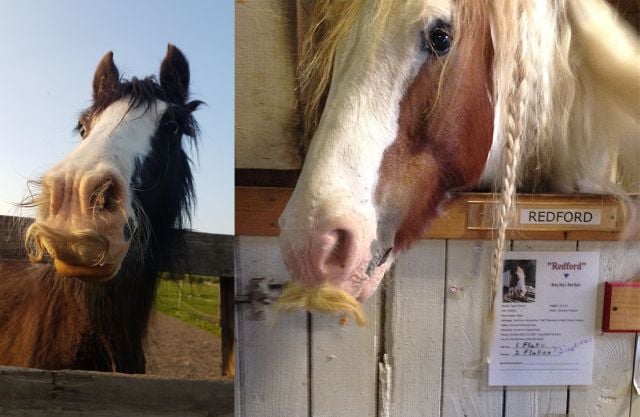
(82, 247)
(325, 299)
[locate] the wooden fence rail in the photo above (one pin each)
(38, 393)
(203, 253)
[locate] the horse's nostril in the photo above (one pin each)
(335, 250)
(337, 255)
(104, 197)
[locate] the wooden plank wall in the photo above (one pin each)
(266, 123)
(431, 337)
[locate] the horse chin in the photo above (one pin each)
(363, 286)
(370, 286)
(91, 274)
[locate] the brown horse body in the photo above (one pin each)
(42, 318)
(52, 322)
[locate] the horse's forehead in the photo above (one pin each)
(121, 112)
(394, 15)
(118, 136)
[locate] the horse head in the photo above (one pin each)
(407, 119)
(128, 171)
(407, 102)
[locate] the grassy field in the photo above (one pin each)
(200, 304)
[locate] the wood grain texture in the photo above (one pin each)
(203, 254)
(37, 393)
(344, 360)
(12, 230)
(621, 307)
(610, 395)
(415, 329)
(258, 210)
(266, 123)
(465, 389)
(272, 354)
(538, 401)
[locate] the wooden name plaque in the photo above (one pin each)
(621, 312)
(548, 213)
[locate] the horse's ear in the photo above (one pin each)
(106, 80)
(174, 75)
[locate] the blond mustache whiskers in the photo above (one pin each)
(82, 247)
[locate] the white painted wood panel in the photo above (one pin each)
(414, 330)
(344, 364)
(542, 401)
(272, 366)
(426, 326)
(610, 394)
(465, 390)
(266, 57)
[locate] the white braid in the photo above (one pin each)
(516, 102)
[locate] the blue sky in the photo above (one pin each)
(48, 54)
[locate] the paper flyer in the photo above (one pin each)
(545, 319)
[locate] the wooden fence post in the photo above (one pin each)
(227, 318)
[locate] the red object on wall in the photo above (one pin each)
(621, 311)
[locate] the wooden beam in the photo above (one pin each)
(267, 177)
(38, 393)
(203, 254)
(258, 210)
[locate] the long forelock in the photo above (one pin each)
(140, 93)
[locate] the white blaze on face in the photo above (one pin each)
(336, 188)
(118, 137)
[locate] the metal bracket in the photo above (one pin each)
(261, 293)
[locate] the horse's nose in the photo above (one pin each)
(82, 192)
(333, 252)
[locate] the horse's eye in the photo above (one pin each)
(81, 129)
(436, 41)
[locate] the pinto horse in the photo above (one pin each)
(106, 215)
(518, 286)
(405, 102)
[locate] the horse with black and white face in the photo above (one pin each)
(106, 215)
(407, 102)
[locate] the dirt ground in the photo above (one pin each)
(178, 350)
